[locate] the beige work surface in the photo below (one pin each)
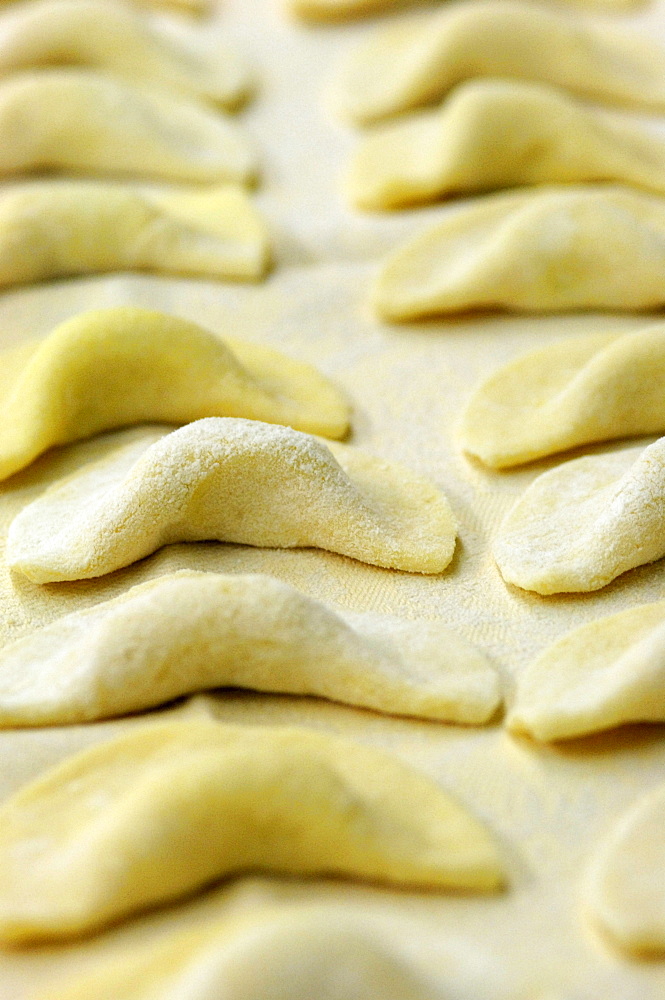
(547, 807)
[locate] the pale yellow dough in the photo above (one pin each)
(412, 62)
(50, 229)
(191, 631)
(84, 122)
(584, 523)
(551, 249)
(235, 481)
(337, 10)
(624, 894)
(493, 134)
(151, 816)
(111, 36)
(569, 393)
(602, 675)
(113, 367)
(322, 952)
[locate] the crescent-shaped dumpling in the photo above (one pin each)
(235, 481)
(624, 893)
(191, 631)
(579, 526)
(493, 134)
(412, 62)
(151, 816)
(326, 952)
(49, 229)
(83, 122)
(115, 367)
(573, 392)
(109, 36)
(544, 250)
(602, 675)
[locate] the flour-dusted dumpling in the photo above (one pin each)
(413, 62)
(52, 228)
(109, 36)
(114, 367)
(327, 952)
(599, 676)
(567, 394)
(545, 250)
(235, 481)
(499, 133)
(192, 631)
(624, 894)
(151, 816)
(81, 121)
(584, 523)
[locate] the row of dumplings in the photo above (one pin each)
(100, 91)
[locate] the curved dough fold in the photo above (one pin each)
(624, 894)
(151, 816)
(114, 367)
(49, 229)
(193, 631)
(80, 121)
(584, 523)
(113, 37)
(235, 481)
(545, 250)
(493, 134)
(570, 393)
(414, 62)
(602, 675)
(327, 952)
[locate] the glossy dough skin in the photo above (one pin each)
(410, 63)
(51, 229)
(567, 394)
(547, 250)
(492, 134)
(193, 631)
(115, 367)
(151, 816)
(82, 122)
(236, 481)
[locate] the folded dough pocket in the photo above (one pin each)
(151, 816)
(575, 392)
(416, 61)
(237, 481)
(189, 631)
(493, 134)
(545, 250)
(114, 367)
(84, 122)
(602, 675)
(584, 523)
(108, 36)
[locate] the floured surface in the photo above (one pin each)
(549, 808)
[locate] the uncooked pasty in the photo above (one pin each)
(114, 367)
(80, 121)
(109, 36)
(326, 952)
(584, 523)
(573, 392)
(599, 676)
(153, 815)
(544, 250)
(235, 481)
(49, 229)
(416, 61)
(624, 892)
(499, 133)
(191, 631)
